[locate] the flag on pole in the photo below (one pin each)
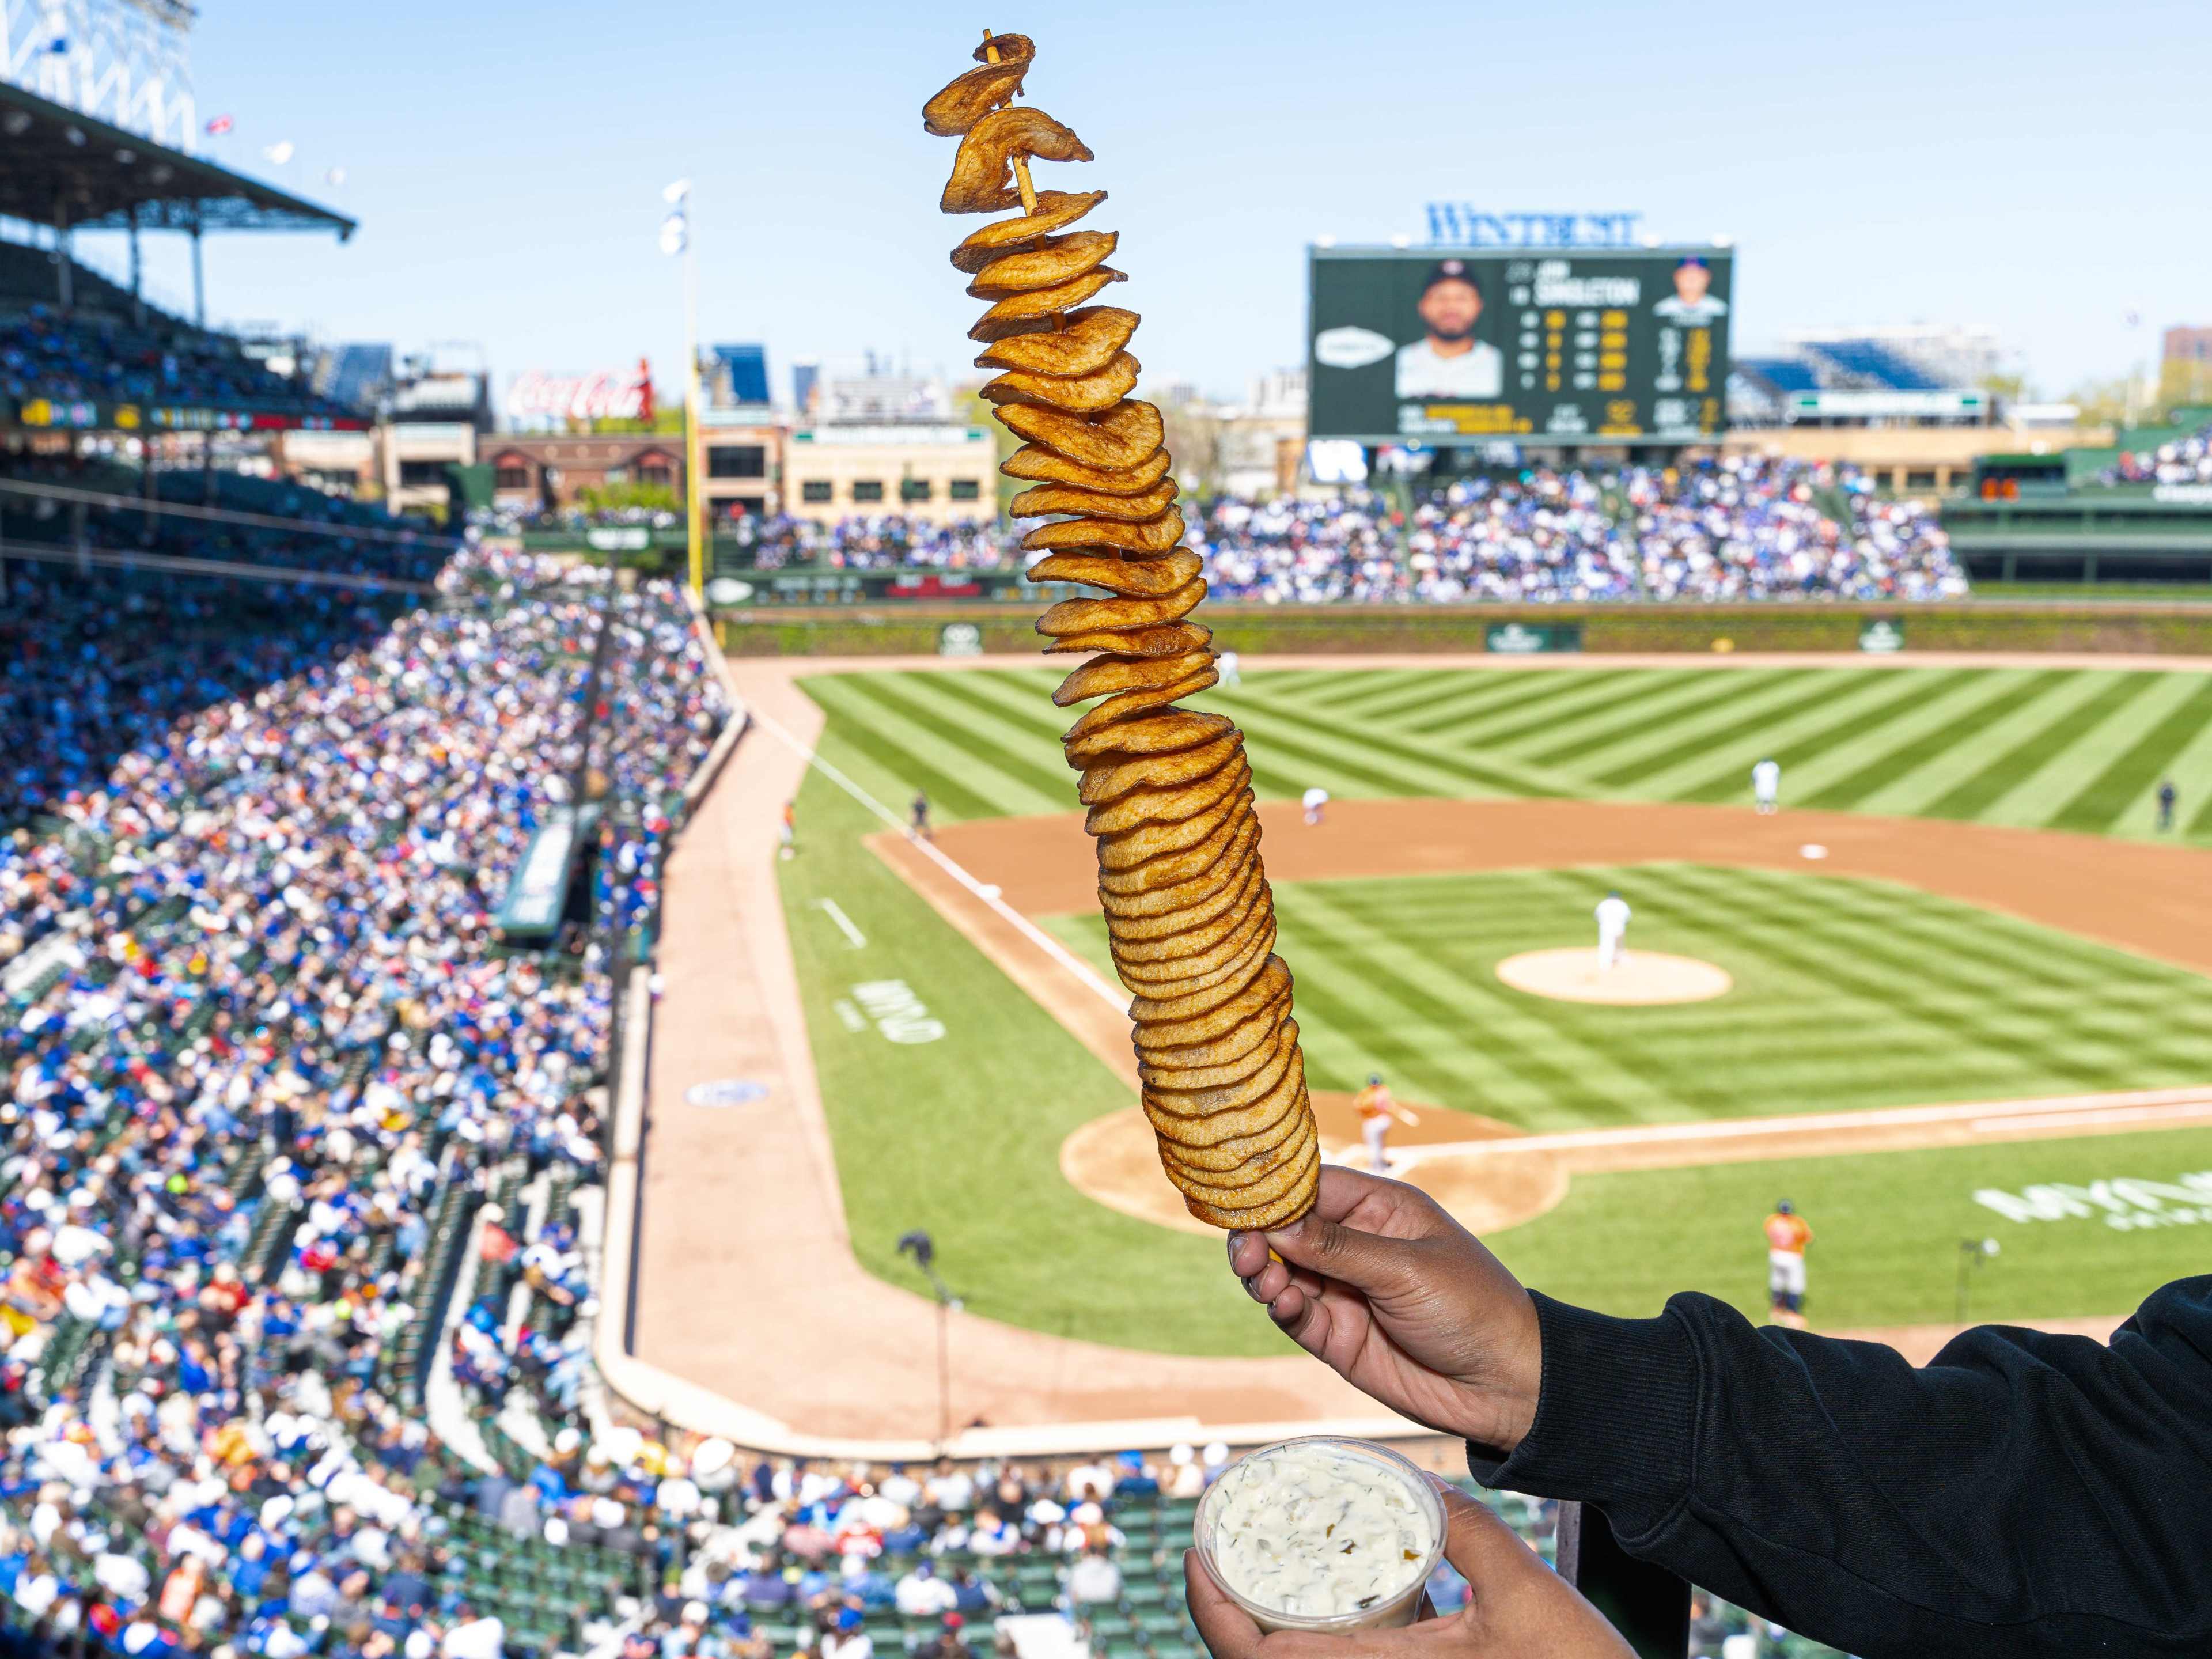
(219, 124)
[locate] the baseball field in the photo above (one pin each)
(1967, 970)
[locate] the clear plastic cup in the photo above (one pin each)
(1402, 1607)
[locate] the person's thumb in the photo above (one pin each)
(1481, 1548)
(1366, 1262)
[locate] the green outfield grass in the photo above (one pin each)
(2044, 748)
(1849, 993)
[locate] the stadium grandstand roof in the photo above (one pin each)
(64, 167)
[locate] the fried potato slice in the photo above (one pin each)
(1160, 734)
(1257, 1076)
(1123, 704)
(982, 171)
(1035, 462)
(1277, 1111)
(1179, 956)
(1173, 639)
(1110, 616)
(1207, 971)
(1053, 260)
(1097, 679)
(1119, 576)
(1239, 890)
(1231, 829)
(1086, 342)
(1269, 985)
(1110, 780)
(1084, 394)
(1231, 1150)
(1167, 806)
(1154, 535)
(1124, 436)
(1270, 1175)
(1089, 503)
(1020, 313)
(972, 96)
(1190, 1079)
(1280, 1213)
(1191, 1007)
(1055, 211)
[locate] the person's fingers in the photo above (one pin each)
(1481, 1548)
(1366, 1261)
(1226, 1628)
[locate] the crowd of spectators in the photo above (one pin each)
(278, 1053)
(68, 357)
(2184, 461)
(886, 542)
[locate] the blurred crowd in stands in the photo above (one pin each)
(78, 357)
(1745, 527)
(2185, 461)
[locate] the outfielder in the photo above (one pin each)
(1766, 785)
(1787, 1236)
(1611, 926)
(1314, 799)
(1375, 1108)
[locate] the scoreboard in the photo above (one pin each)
(1570, 345)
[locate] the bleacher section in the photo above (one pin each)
(1870, 365)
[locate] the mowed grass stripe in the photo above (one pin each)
(1391, 690)
(1596, 699)
(1006, 736)
(1911, 690)
(1976, 795)
(1654, 709)
(1488, 698)
(1430, 771)
(918, 717)
(857, 727)
(1894, 763)
(1787, 696)
(2137, 771)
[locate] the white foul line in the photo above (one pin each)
(835, 912)
(1029, 930)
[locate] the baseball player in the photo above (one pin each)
(1787, 1236)
(1375, 1108)
(1766, 785)
(1612, 915)
(1227, 665)
(1314, 799)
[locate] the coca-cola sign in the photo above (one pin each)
(617, 396)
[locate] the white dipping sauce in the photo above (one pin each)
(1316, 1532)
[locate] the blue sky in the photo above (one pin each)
(2031, 167)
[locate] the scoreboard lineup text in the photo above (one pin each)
(1442, 345)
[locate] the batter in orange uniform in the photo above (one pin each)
(1376, 1110)
(1787, 1236)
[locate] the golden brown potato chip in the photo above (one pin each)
(1225, 1154)
(1157, 734)
(1208, 948)
(1167, 806)
(1124, 704)
(1097, 679)
(1104, 615)
(1164, 1084)
(1258, 1073)
(1124, 436)
(1086, 342)
(1261, 1180)
(1239, 890)
(982, 171)
(1144, 576)
(1055, 210)
(1173, 639)
(1270, 984)
(1092, 504)
(1035, 462)
(1109, 780)
(1153, 536)
(1055, 260)
(1280, 1213)
(1194, 1008)
(968, 100)
(1020, 312)
(1082, 394)
(1219, 1051)
(1229, 963)
(1135, 878)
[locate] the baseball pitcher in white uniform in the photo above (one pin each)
(1611, 926)
(1766, 785)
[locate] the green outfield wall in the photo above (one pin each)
(2179, 628)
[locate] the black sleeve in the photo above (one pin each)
(2024, 1494)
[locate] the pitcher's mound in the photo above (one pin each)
(1639, 977)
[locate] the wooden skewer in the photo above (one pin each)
(1021, 163)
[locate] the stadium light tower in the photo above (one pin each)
(125, 62)
(675, 238)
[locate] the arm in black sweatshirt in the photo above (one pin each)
(2024, 1494)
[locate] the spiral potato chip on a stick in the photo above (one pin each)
(1188, 912)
